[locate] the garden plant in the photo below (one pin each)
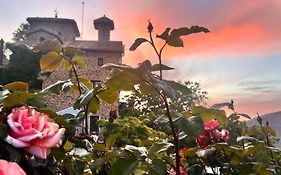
(178, 139)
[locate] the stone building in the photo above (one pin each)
(95, 54)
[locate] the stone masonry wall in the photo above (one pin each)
(92, 72)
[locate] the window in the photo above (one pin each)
(41, 38)
(100, 61)
(93, 124)
(96, 82)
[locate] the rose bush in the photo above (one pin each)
(33, 131)
(10, 168)
(211, 135)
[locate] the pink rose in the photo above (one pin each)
(182, 171)
(10, 168)
(33, 131)
(211, 135)
(210, 125)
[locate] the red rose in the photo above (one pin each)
(33, 131)
(10, 168)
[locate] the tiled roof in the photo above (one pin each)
(56, 20)
(107, 46)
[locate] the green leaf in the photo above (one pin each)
(118, 66)
(147, 89)
(16, 86)
(94, 105)
(186, 31)
(175, 42)
(137, 43)
(86, 97)
(156, 67)
(14, 154)
(68, 145)
(136, 151)
(58, 153)
(209, 114)
(79, 60)
(158, 166)
(110, 140)
(108, 95)
(78, 167)
(3, 130)
(178, 87)
(161, 84)
(57, 87)
(67, 163)
(165, 34)
(244, 115)
(124, 167)
(67, 65)
(191, 152)
(71, 51)
(165, 119)
(192, 126)
(50, 62)
(235, 160)
(247, 139)
(221, 105)
(143, 68)
(159, 147)
(100, 147)
(123, 80)
(206, 153)
(83, 81)
(49, 45)
(17, 97)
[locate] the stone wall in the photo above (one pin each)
(34, 39)
(92, 72)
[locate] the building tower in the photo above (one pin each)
(104, 25)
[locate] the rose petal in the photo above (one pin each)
(40, 152)
(41, 123)
(10, 168)
(50, 141)
(13, 125)
(30, 137)
(16, 143)
(211, 124)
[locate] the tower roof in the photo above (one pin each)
(56, 20)
(104, 21)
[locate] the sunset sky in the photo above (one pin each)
(239, 59)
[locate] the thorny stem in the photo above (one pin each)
(85, 107)
(168, 112)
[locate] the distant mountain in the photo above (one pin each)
(274, 120)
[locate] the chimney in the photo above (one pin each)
(1, 51)
(104, 25)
